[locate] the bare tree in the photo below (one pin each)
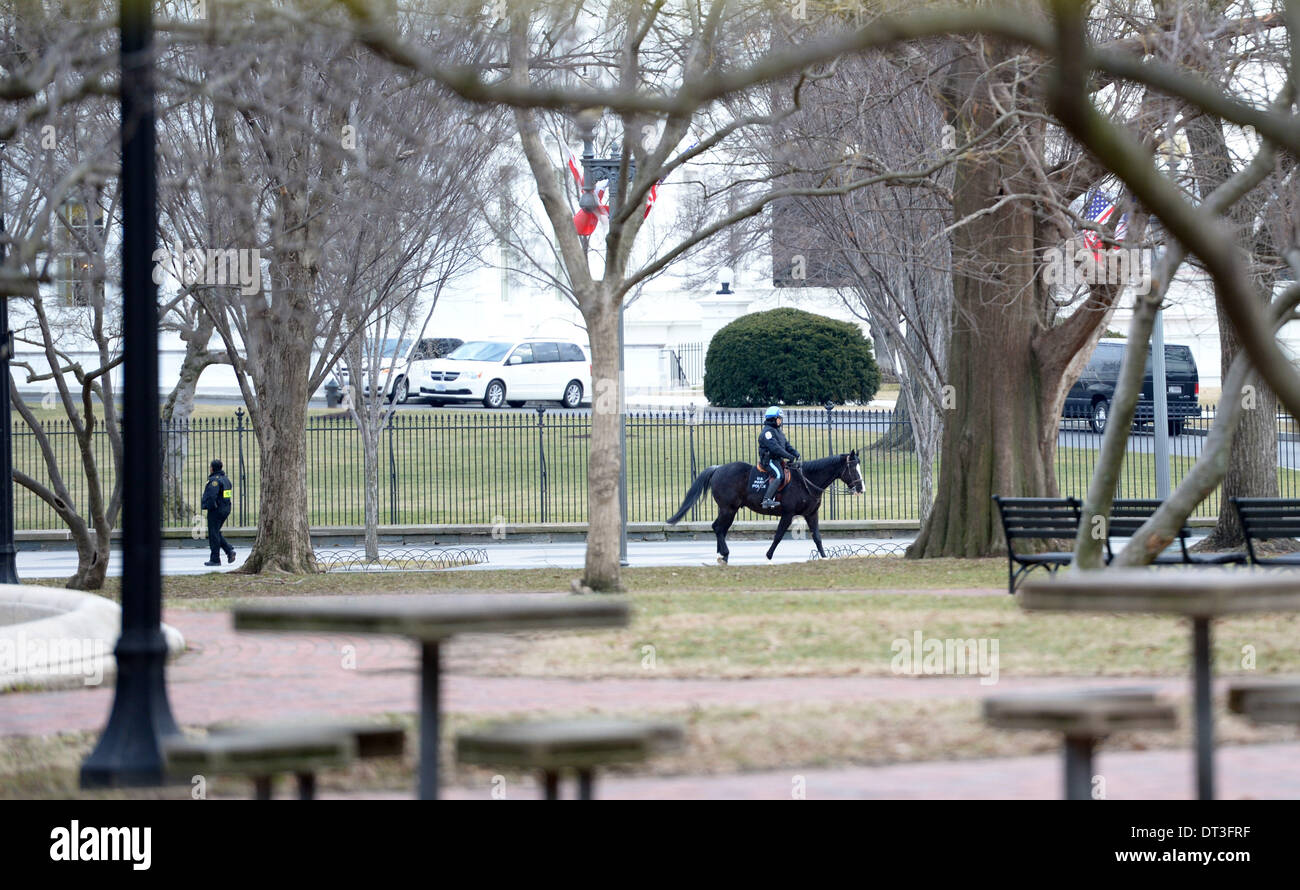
(58, 154)
(304, 169)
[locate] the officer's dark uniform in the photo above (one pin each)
(773, 448)
(216, 500)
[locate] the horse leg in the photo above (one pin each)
(815, 528)
(781, 528)
(721, 526)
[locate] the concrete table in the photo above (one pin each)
(429, 620)
(1199, 594)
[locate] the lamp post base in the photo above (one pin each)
(129, 752)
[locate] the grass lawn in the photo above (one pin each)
(825, 618)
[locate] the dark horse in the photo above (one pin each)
(732, 489)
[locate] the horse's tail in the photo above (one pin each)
(698, 488)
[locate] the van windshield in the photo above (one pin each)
(481, 351)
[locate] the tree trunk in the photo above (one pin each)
(92, 559)
(898, 437)
(999, 430)
(1091, 536)
(177, 411)
(1252, 459)
(370, 450)
(283, 532)
(603, 513)
(994, 439)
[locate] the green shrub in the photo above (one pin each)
(792, 357)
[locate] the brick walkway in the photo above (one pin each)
(1244, 772)
(253, 677)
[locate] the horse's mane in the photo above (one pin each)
(822, 463)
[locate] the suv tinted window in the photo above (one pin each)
(546, 352)
(1178, 360)
(1106, 360)
(571, 352)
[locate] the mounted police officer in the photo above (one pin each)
(216, 501)
(773, 451)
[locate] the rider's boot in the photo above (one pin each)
(769, 499)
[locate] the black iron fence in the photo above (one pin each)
(509, 467)
(685, 364)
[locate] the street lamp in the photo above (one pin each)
(8, 554)
(594, 170)
(129, 751)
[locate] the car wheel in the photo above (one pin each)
(495, 395)
(1097, 419)
(401, 391)
(1175, 427)
(572, 395)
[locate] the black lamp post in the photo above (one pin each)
(594, 170)
(130, 750)
(8, 554)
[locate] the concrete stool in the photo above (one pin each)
(1267, 701)
(260, 753)
(1084, 718)
(551, 746)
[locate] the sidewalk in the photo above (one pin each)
(796, 547)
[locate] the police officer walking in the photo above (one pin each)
(216, 500)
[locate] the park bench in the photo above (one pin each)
(1267, 701)
(1128, 514)
(263, 752)
(1044, 519)
(553, 746)
(1084, 718)
(1265, 518)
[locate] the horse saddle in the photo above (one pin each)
(762, 474)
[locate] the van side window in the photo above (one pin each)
(546, 352)
(525, 353)
(571, 352)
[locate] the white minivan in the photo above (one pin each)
(508, 372)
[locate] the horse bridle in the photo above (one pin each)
(828, 484)
(811, 485)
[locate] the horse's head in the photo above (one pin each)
(851, 473)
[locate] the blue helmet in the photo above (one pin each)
(774, 411)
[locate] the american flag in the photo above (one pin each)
(1099, 210)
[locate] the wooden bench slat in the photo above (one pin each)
(1089, 713)
(261, 753)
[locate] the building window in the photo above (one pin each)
(80, 252)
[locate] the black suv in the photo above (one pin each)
(1091, 394)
